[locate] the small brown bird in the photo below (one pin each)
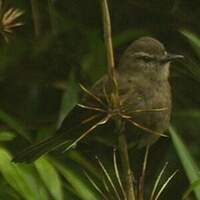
(145, 99)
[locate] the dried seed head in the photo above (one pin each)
(9, 20)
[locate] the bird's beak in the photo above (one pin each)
(170, 57)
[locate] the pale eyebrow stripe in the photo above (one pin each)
(138, 54)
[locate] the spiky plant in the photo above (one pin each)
(113, 188)
(9, 20)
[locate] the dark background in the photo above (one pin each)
(36, 70)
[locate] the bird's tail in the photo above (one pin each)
(33, 152)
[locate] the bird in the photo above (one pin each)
(142, 77)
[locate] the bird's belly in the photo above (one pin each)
(150, 109)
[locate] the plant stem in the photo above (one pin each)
(51, 16)
(36, 17)
(123, 147)
(109, 53)
(124, 155)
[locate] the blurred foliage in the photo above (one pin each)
(60, 45)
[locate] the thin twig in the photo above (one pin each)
(149, 110)
(165, 185)
(109, 179)
(91, 94)
(89, 119)
(144, 128)
(157, 181)
(101, 122)
(107, 98)
(91, 108)
(95, 186)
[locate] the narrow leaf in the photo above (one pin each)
(188, 163)
(194, 185)
(81, 189)
(50, 177)
(69, 99)
(16, 176)
(13, 123)
(6, 136)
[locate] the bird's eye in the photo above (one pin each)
(147, 58)
(143, 57)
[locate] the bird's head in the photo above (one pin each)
(147, 57)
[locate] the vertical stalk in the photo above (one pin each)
(122, 143)
(51, 16)
(36, 17)
(109, 53)
(125, 163)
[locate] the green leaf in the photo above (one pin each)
(194, 40)
(81, 189)
(50, 177)
(194, 185)
(83, 162)
(6, 136)
(191, 64)
(69, 99)
(16, 177)
(13, 123)
(187, 161)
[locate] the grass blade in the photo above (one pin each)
(190, 189)
(16, 177)
(81, 189)
(50, 177)
(188, 163)
(69, 99)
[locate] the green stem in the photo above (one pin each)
(51, 16)
(124, 155)
(36, 17)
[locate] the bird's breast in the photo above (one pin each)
(148, 103)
